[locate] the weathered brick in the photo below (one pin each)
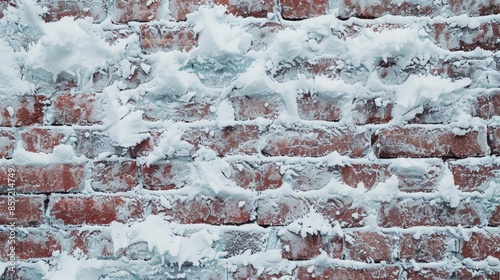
(91, 243)
(429, 273)
(475, 274)
(180, 8)
(302, 9)
(487, 106)
(495, 217)
(317, 107)
(207, 210)
(247, 8)
(454, 37)
(173, 174)
(425, 141)
(44, 139)
(22, 110)
(296, 247)
(369, 10)
(250, 108)
(474, 177)
(114, 175)
(72, 210)
(256, 175)
(27, 210)
(135, 10)
(96, 9)
(309, 176)
(76, 109)
(475, 8)
(348, 273)
(424, 248)
(55, 177)
(481, 245)
(494, 139)
(370, 247)
(237, 242)
(179, 38)
(417, 212)
(315, 142)
(7, 142)
(35, 244)
(93, 143)
(371, 111)
(250, 272)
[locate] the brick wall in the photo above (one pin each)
(318, 172)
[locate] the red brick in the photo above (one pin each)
(93, 210)
(474, 177)
(348, 273)
(370, 112)
(263, 34)
(368, 174)
(180, 8)
(302, 9)
(494, 139)
(429, 142)
(250, 108)
(297, 247)
(487, 106)
(316, 107)
(475, 8)
(55, 177)
(357, 8)
(472, 274)
(247, 8)
(207, 210)
(96, 9)
(310, 176)
(173, 174)
(146, 146)
(44, 139)
(135, 10)
(315, 142)
(237, 242)
(26, 110)
(495, 218)
(370, 247)
(412, 212)
(92, 143)
(36, 244)
(91, 243)
(285, 210)
(226, 141)
(429, 273)
(159, 37)
(114, 175)
(481, 245)
(256, 175)
(28, 210)
(427, 248)
(454, 37)
(7, 142)
(250, 272)
(78, 109)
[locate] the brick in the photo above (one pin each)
(475, 7)
(309, 176)
(367, 174)
(487, 106)
(72, 210)
(481, 245)
(495, 217)
(356, 8)
(247, 8)
(146, 146)
(473, 274)
(494, 139)
(371, 111)
(135, 10)
(434, 114)
(25, 110)
(348, 273)
(207, 210)
(180, 8)
(425, 248)
(424, 141)
(413, 212)
(302, 9)
(316, 107)
(455, 38)
(263, 34)
(315, 142)
(429, 273)
(474, 177)
(174, 174)
(226, 141)
(257, 176)
(250, 272)
(77, 109)
(92, 143)
(296, 247)
(96, 9)
(28, 210)
(91, 243)
(55, 177)
(285, 210)
(7, 142)
(250, 108)
(35, 244)
(44, 139)
(237, 242)
(330, 68)
(371, 247)
(159, 37)
(114, 175)
(23, 273)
